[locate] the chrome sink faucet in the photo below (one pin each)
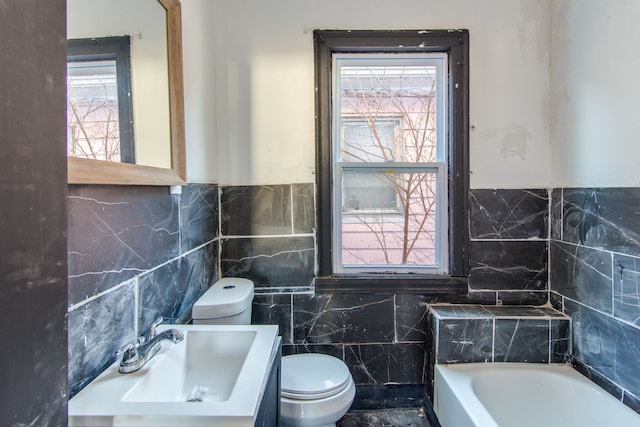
(135, 356)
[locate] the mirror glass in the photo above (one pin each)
(124, 86)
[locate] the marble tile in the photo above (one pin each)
(96, 330)
(393, 396)
(303, 201)
(171, 290)
(626, 288)
(582, 274)
(553, 313)
(465, 340)
(508, 214)
(403, 363)
(556, 301)
(505, 265)
(411, 317)
(560, 345)
(343, 318)
(256, 210)
(607, 218)
(465, 298)
(521, 340)
(432, 349)
(335, 350)
(460, 311)
(272, 262)
(606, 345)
(631, 401)
(515, 311)
(523, 297)
(198, 215)
(579, 214)
(274, 309)
(116, 233)
(401, 417)
(555, 216)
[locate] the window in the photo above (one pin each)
(99, 101)
(392, 155)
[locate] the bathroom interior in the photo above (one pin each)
(553, 203)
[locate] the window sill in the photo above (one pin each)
(423, 284)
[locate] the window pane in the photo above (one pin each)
(92, 110)
(388, 113)
(363, 141)
(389, 218)
(368, 193)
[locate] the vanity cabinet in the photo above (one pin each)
(269, 410)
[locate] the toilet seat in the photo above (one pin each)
(313, 376)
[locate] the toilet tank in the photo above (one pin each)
(226, 302)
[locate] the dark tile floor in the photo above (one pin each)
(400, 417)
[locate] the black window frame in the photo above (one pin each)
(456, 44)
(116, 48)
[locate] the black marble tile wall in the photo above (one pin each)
(383, 338)
(626, 288)
(400, 363)
(475, 333)
(135, 253)
(343, 318)
(97, 329)
(508, 265)
(583, 274)
(171, 290)
(607, 346)
(115, 234)
(607, 218)
(198, 215)
(280, 262)
(509, 237)
(267, 235)
(508, 214)
(595, 270)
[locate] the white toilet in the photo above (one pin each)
(317, 390)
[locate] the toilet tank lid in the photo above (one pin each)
(227, 297)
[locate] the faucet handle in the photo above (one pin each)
(158, 322)
(128, 352)
(151, 332)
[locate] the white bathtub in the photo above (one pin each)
(524, 395)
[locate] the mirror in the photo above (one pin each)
(157, 97)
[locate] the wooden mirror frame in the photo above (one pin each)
(88, 171)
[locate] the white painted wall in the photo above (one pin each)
(249, 94)
(595, 94)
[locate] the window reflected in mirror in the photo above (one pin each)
(99, 100)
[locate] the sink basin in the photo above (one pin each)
(225, 365)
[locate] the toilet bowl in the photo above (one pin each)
(317, 389)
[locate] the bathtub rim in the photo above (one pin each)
(473, 407)
(463, 372)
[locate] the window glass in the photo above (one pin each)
(390, 176)
(92, 110)
(384, 225)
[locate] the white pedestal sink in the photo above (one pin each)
(230, 363)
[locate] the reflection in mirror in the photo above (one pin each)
(126, 128)
(99, 107)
